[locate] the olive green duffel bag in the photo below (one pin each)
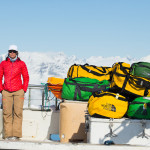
(141, 69)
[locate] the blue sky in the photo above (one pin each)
(77, 27)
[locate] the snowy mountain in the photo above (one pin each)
(44, 65)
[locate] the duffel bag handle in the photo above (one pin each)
(94, 72)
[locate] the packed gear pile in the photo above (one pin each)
(122, 90)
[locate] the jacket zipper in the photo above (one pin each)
(11, 77)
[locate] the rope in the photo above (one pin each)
(46, 96)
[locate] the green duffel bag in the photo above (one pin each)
(82, 88)
(141, 69)
(139, 108)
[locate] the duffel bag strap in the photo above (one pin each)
(109, 94)
(78, 90)
(95, 89)
(81, 83)
(124, 69)
(141, 83)
(103, 71)
(103, 68)
(146, 92)
(71, 70)
(125, 83)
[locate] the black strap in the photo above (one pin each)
(141, 82)
(71, 70)
(146, 92)
(125, 83)
(102, 72)
(124, 69)
(148, 103)
(120, 75)
(77, 92)
(108, 94)
(95, 89)
(135, 81)
(126, 75)
(81, 83)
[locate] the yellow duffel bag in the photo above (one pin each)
(94, 72)
(127, 84)
(107, 104)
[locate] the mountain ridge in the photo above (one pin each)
(51, 64)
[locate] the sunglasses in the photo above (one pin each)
(12, 51)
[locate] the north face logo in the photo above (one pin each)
(109, 107)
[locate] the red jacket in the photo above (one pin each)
(12, 72)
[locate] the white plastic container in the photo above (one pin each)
(120, 131)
